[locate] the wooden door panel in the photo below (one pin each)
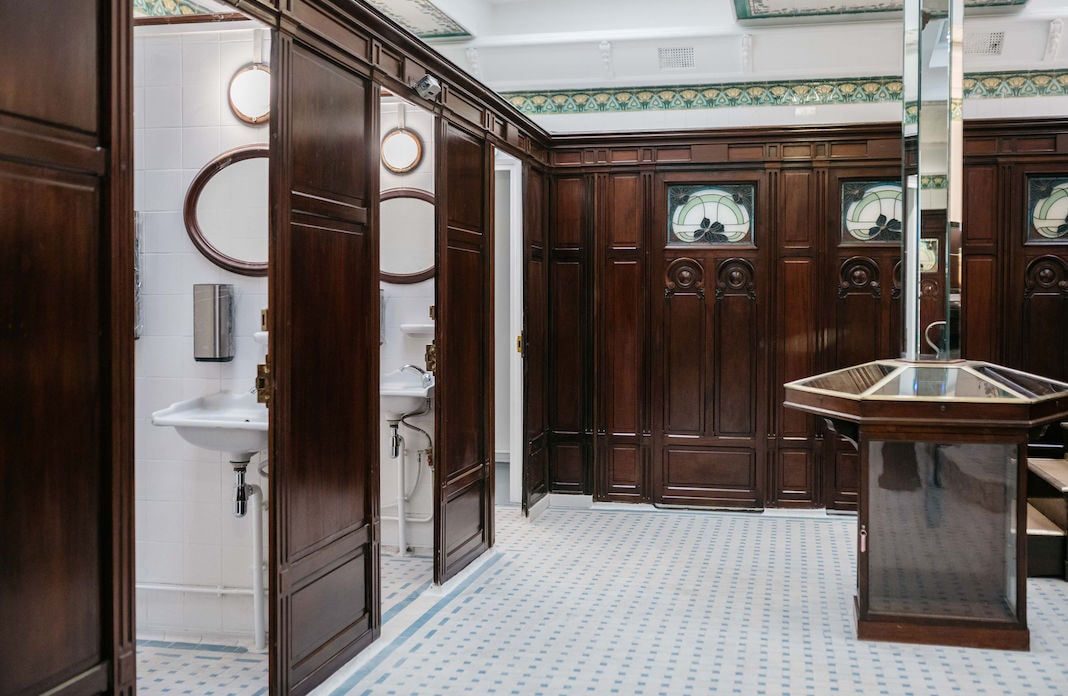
(1045, 317)
(535, 349)
(66, 349)
(324, 421)
(708, 476)
(685, 349)
(736, 325)
(463, 475)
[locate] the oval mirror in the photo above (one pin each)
(402, 150)
(250, 93)
(226, 210)
(406, 231)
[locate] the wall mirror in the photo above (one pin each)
(406, 231)
(226, 210)
(250, 93)
(402, 150)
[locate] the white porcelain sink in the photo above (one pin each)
(231, 422)
(404, 391)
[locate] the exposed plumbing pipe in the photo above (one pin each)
(246, 494)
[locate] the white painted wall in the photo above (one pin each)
(503, 340)
(185, 533)
(407, 304)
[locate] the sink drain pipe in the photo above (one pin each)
(246, 495)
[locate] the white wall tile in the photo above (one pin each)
(163, 609)
(163, 107)
(200, 145)
(202, 612)
(161, 189)
(162, 61)
(162, 491)
(237, 614)
(201, 481)
(236, 565)
(162, 147)
(162, 275)
(158, 562)
(202, 523)
(164, 519)
(202, 564)
(168, 315)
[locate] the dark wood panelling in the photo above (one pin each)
(66, 349)
(569, 213)
(566, 349)
(685, 339)
(1045, 317)
(64, 86)
(708, 476)
(980, 315)
(567, 467)
(794, 480)
(795, 199)
(797, 339)
(622, 346)
(324, 422)
(570, 344)
(463, 476)
(980, 223)
(535, 334)
(736, 341)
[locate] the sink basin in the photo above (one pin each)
(231, 422)
(404, 392)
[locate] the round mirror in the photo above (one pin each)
(406, 231)
(226, 210)
(402, 150)
(250, 93)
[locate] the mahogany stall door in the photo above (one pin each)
(710, 327)
(535, 348)
(863, 287)
(324, 344)
(66, 349)
(463, 468)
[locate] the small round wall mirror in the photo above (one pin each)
(406, 226)
(250, 93)
(226, 210)
(402, 150)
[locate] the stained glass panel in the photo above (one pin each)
(1047, 209)
(871, 211)
(710, 214)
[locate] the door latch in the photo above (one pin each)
(519, 344)
(264, 383)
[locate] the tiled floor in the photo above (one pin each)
(655, 602)
(209, 669)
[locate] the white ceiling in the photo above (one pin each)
(534, 45)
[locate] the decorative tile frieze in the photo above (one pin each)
(784, 93)
(784, 9)
(167, 8)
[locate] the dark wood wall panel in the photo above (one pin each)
(66, 349)
(63, 88)
(1045, 317)
(979, 312)
(535, 340)
(685, 344)
(324, 422)
(736, 338)
(571, 341)
(50, 332)
(827, 300)
(622, 343)
(463, 477)
(708, 476)
(567, 357)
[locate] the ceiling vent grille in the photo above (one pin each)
(984, 44)
(676, 58)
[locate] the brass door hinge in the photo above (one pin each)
(519, 344)
(431, 357)
(264, 382)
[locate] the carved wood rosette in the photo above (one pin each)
(736, 277)
(1045, 275)
(859, 275)
(684, 275)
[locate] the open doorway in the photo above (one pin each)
(201, 115)
(508, 328)
(407, 351)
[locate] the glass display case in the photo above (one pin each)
(941, 528)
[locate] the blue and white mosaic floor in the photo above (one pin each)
(655, 602)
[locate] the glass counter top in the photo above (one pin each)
(957, 381)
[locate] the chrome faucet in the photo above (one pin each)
(423, 374)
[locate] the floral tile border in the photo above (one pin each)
(167, 8)
(421, 17)
(747, 10)
(785, 93)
